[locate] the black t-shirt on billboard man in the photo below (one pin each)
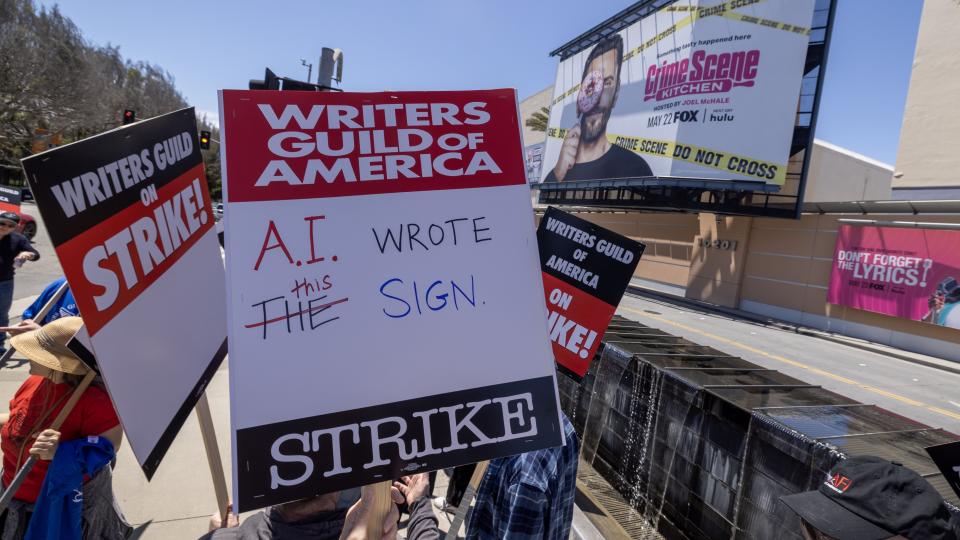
(586, 153)
(618, 162)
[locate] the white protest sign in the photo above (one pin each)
(385, 300)
(131, 220)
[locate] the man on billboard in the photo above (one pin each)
(943, 303)
(586, 153)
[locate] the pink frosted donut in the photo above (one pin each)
(590, 91)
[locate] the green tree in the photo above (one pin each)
(54, 83)
(539, 120)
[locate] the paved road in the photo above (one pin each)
(918, 392)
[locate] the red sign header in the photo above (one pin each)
(303, 145)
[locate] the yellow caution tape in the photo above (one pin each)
(771, 173)
(696, 12)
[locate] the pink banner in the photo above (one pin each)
(907, 273)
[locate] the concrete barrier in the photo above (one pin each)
(704, 444)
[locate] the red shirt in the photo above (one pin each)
(33, 408)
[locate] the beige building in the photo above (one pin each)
(781, 268)
(529, 106)
(930, 137)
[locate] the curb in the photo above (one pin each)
(786, 326)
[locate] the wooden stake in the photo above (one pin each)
(57, 422)
(468, 495)
(209, 436)
(379, 508)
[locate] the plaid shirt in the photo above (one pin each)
(529, 495)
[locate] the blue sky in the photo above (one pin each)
(460, 44)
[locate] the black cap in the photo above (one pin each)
(10, 216)
(869, 498)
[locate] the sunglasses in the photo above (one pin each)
(7, 225)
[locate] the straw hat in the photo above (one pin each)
(47, 346)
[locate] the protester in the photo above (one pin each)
(870, 498)
(54, 373)
(335, 515)
(15, 249)
(319, 517)
(66, 306)
(530, 495)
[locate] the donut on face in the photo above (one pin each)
(590, 91)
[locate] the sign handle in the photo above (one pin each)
(209, 436)
(57, 422)
(379, 508)
(468, 496)
(38, 317)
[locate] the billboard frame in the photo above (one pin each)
(694, 195)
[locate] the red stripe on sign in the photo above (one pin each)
(111, 264)
(305, 145)
(576, 322)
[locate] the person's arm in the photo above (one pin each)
(25, 250)
(423, 524)
(523, 513)
(21, 327)
(45, 447)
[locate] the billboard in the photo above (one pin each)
(908, 273)
(386, 310)
(698, 89)
(130, 217)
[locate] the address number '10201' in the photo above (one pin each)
(727, 245)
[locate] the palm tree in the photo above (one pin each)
(539, 120)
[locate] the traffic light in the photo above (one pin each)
(270, 81)
(205, 140)
(129, 116)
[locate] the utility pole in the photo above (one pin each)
(309, 68)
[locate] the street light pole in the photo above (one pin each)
(309, 68)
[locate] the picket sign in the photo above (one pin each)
(141, 252)
(39, 317)
(379, 508)
(468, 496)
(331, 281)
(57, 422)
(209, 436)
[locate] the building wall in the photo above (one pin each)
(930, 135)
(719, 256)
(787, 273)
(837, 174)
(777, 268)
(669, 238)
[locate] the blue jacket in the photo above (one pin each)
(66, 307)
(58, 512)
